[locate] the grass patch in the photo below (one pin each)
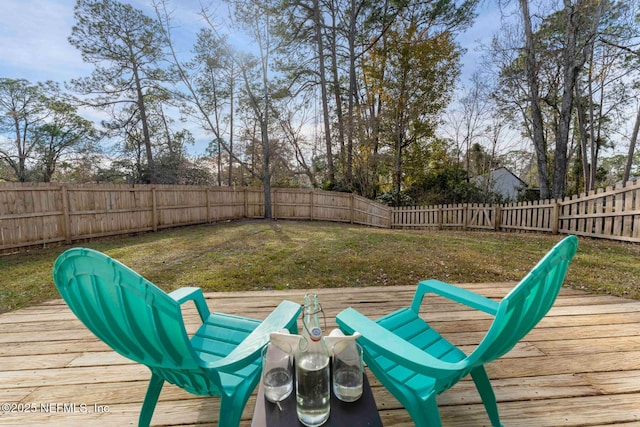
(256, 255)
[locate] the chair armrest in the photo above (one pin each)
(393, 347)
(454, 293)
(183, 295)
(283, 317)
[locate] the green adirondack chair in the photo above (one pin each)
(415, 363)
(145, 324)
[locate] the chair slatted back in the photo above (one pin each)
(527, 303)
(126, 311)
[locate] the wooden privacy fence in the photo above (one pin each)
(320, 205)
(40, 214)
(611, 213)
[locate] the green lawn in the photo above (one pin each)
(254, 255)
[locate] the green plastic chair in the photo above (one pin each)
(415, 363)
(145, 324)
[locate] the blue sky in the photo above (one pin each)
(34, 46)
(34, 33)
(33, 41)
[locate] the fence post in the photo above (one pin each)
(274, 203)
(154, 213)
(66, 214)
(497, 217)
(555, 217)
(351, 208)
(465, 215)
(208, 199)
(246, 202)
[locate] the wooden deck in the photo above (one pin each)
(579, 367)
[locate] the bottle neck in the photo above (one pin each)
(311, 318)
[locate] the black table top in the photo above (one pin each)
(361, 413)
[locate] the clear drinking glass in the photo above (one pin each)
(277, 373)
(347, 370)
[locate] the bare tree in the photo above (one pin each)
(255, 17)
(537, 123)
(210, 84)
(475, 104)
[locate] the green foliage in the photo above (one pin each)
(126, 48)
(444, 185)
(39, 128)
(412, 74)
(64, 132)
(433, 177)
(22, 106)
(6, 173)
(114, 36)
(393, 198)
(389, 73)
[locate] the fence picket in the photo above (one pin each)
(39, 214)
(635, 218)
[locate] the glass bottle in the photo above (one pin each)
(312, 368)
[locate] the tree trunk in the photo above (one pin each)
(376, 108)
(337, 90)
(352, 92)
(632, 147)
(318, 24)
(264, 128)
(151, 179)
(262, 117)
(20, 143)
(531, 69)
(573, 63)
(398, 170)
(231, 110)
(582, 131)
(266, 168)
(571, 68)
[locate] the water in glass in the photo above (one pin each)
(277, 373)
(347, 384)
(312, 388)
(347, 371)
(278, 384)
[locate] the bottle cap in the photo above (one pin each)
(315, 334)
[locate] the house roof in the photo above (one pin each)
(494, 171)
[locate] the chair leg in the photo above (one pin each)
(485, 390)
(232, 405)
(231, 408)
(150, 400)
(426, 413)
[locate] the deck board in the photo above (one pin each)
(579, 367)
